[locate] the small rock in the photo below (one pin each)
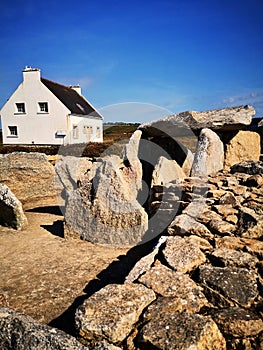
(228, 198)
(225, 209)
(236, 284)
(255, 181)
(182, 254)
(248, 167)
(221, 227)
(11, 210)
(180, 330)
(111, 313)
(237, 322)
(185, 225)
(228, 257)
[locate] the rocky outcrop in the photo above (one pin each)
(30, 177)
(245, 145)
(209, 155)
(11, 210)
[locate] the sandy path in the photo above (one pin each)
(44, 275)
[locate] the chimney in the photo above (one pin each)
(76, 88)
(31, 74)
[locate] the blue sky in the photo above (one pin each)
(179, 55)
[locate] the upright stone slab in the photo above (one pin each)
(209, 156)
(167, 171)
(245, 145)
(105, 210)
(11, 210)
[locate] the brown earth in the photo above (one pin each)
(47, 276)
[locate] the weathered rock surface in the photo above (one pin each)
(29, 176)
(229, 257)
(239, 285)
(185, 293)
(248, 167)
(232, 118)
(167, 171)
(70, 171)
(105, 210)
(238, 323)
(245, 145)
(11, 210)
(182, 254)
(209, 155)
(112, 312)
(180, 330)
(20, 332)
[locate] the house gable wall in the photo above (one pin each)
(33, 126)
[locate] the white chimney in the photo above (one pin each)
(31, 73)
(76, 88)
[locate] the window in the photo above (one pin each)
(98, 132)
(43, 107)
(13, 131)
(20, 108)
(75, 132)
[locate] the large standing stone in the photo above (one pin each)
(112, 312)
(245, 145)
(105, 210)
(11, 210)
(209, 156)
(30, 177)
(20, 332)
(180, 330)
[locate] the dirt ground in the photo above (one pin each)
(47, 276)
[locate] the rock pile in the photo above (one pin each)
(207, 276)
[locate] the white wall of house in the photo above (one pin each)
(84, 129)
(36, 126)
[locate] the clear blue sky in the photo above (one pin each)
(177, 54)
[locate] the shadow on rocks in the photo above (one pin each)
(115, 273)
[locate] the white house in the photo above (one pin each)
(43, 112)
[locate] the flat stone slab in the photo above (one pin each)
(239, 285)
(181, 124)
(180, 330)
(111, 313)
